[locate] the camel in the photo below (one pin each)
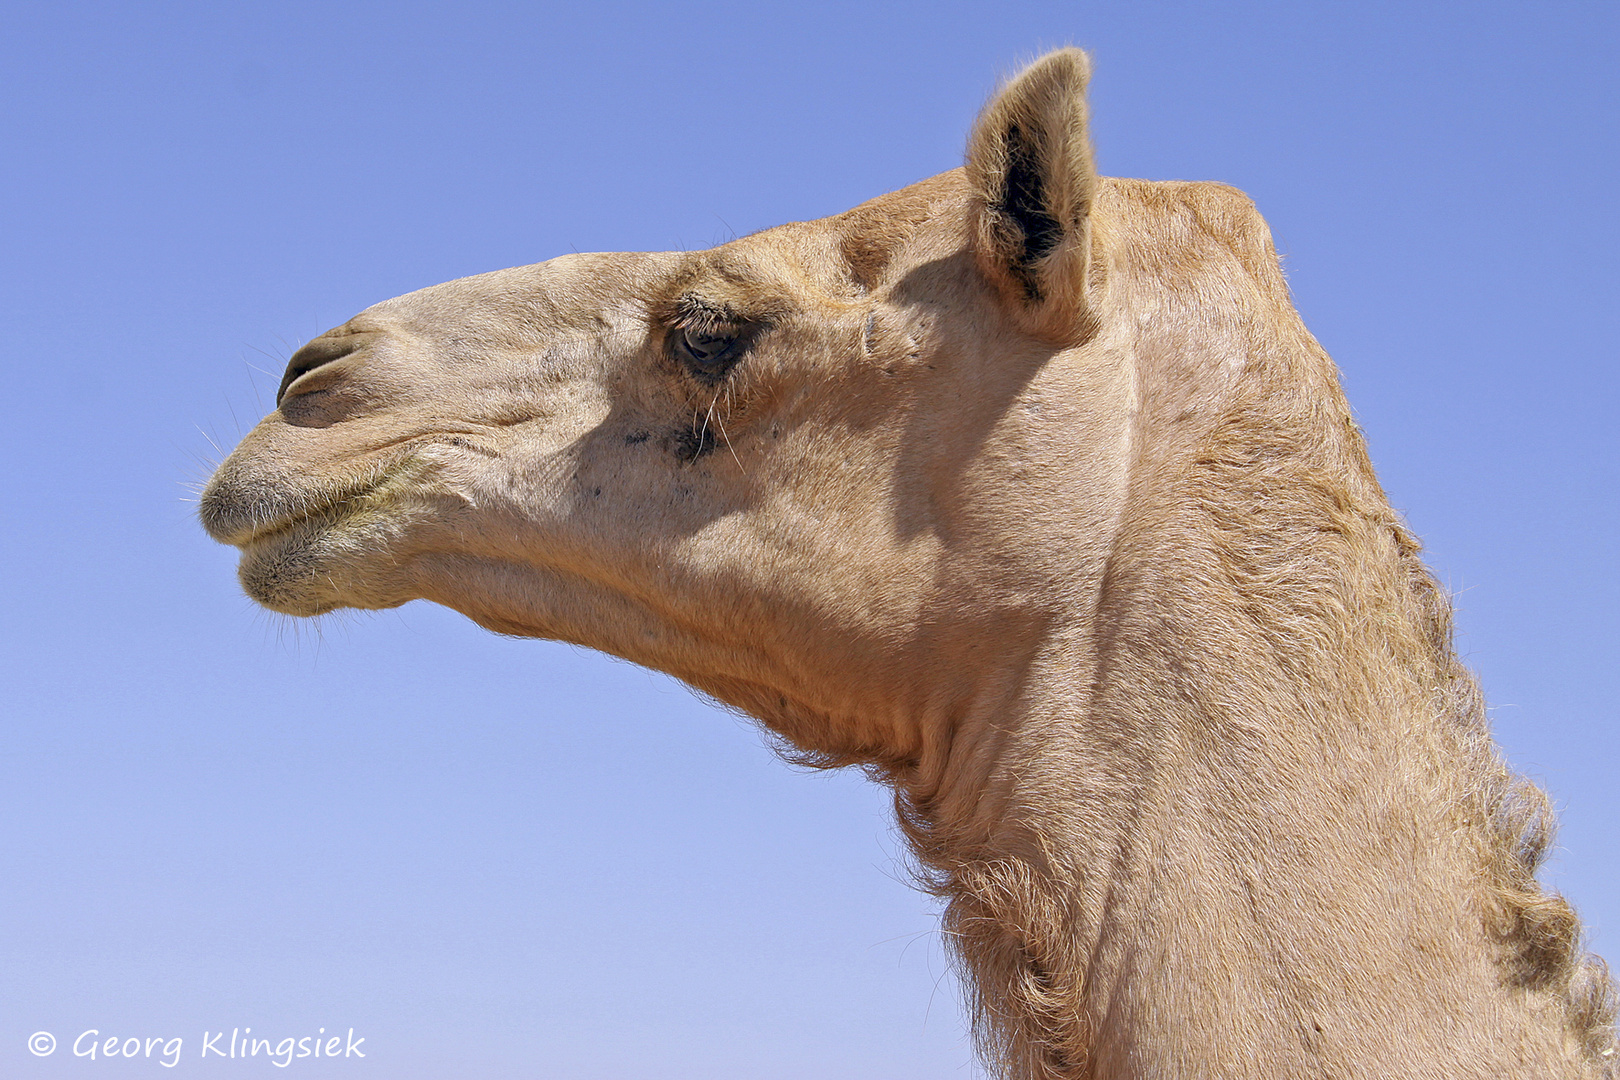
(1026, 491)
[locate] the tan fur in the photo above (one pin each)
(1031, 495)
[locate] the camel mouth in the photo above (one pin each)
(325, 556)
(310, 548)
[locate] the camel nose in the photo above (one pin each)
(318, 353)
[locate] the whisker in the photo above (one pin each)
(211, 441)
(721, 427)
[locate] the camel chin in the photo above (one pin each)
(309, 568)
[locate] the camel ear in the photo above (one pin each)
(1030, 164)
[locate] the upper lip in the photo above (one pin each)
(239, 509)
(233, 513)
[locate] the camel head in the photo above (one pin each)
(778, 469)
(1028, 490)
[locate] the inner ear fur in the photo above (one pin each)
(1034, 180)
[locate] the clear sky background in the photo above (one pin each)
(498, 858)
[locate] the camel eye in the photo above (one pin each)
(710, 353)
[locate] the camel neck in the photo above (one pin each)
(1161, 860)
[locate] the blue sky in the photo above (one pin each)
(515, 859)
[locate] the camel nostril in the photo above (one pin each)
(317, 353)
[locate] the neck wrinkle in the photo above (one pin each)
(1015, 819)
